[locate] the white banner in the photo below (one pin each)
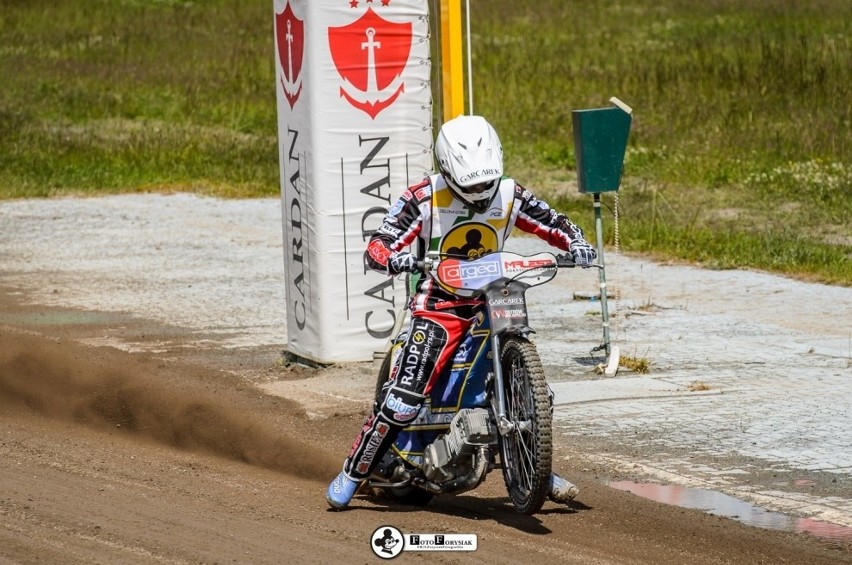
(354, 130)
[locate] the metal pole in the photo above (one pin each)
(469, 59)
(601, 271)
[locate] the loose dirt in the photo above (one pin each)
(110, 456)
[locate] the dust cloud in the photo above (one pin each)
(185, 408)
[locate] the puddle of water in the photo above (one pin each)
(721, 504)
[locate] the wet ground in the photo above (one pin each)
(721, 504)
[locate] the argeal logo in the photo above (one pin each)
(457, 274)
(290, 37)
(370, 55)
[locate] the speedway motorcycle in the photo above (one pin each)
(491, 408)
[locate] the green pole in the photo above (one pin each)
(601, 270)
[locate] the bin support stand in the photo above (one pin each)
(613, 354)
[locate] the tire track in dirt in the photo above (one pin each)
(192, 410)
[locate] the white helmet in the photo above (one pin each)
(470, 158)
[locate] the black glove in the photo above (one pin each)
(401, 262)
(584, 254)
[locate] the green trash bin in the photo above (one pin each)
(600, 140)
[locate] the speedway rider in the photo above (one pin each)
(468, 209)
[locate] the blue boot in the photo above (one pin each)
(562, 490)
(341, 490)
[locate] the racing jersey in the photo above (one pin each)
(430, 218)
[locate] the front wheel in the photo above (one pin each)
(527, 450)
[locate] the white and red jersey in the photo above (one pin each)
(428, 217)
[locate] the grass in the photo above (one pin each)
(639, 365)
(103, 96)
(739, 155)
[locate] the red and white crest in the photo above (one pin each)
(290, 37)
(370, 55)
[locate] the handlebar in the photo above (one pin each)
(563, 260)
(425, 265)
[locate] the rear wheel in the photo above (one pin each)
(384, 376)
(526, 451)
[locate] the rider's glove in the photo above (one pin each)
(401, 262)
(583, 254)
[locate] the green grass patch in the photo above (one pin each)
(104, 96)
(739, 156)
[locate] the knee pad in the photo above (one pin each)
(401, 406)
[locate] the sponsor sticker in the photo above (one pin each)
(373, 444)
(506, 301)
(402, 410)
(508, 314)
(469, 275)
(422, 193)
(478, 174)
(520, 265)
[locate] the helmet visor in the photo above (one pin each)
(478, 188)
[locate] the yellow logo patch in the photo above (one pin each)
(471, 240)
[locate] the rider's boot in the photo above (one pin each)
(341, 490)
(562, 490)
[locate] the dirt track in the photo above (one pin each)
(114, 457)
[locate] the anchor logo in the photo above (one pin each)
(370, 55)
(290, 38)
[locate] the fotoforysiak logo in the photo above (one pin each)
(290, 37)
(370, 55)
(387, 542)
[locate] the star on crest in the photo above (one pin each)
(354, 3)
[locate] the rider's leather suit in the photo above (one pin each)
(430, 218)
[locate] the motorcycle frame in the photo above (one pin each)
(505, 307)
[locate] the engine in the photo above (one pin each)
(459, 455)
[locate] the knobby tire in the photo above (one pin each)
(527, 452)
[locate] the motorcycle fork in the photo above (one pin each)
(498, 398)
